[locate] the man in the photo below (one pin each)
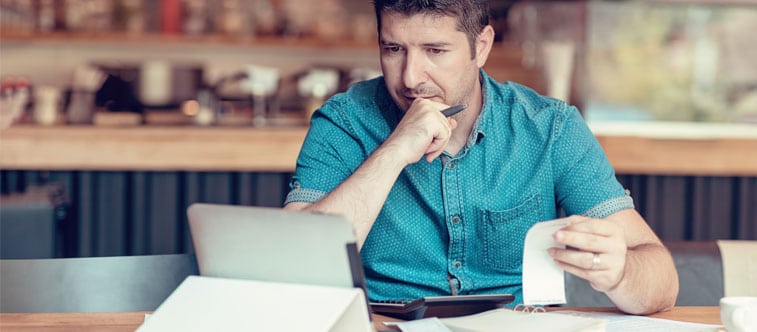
(455, 222)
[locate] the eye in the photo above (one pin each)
(436, 51)
(392, 48)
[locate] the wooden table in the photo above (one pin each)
(704, 315)
(129, 321)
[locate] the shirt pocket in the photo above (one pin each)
(504, 233)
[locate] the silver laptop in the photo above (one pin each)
(271, 244)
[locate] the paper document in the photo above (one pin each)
(620, 322)
(554, 321)
(543, 279)
(217, 304)
(432, 324)
(509, 320)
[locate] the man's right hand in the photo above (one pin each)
(423, 130)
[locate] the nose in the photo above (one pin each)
(414, 72)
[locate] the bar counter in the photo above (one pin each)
(150, 148)
(651, 148)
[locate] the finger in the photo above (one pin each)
(599, 280)
(584, 241)
(440, 139)
(452, 124)
(574, 270)
(581, 259)
(426, 105)
(595, 278)
(431, 156)
(438, 143)
(436, 149)
(576, 218)
(590, 225)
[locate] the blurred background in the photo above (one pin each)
(118, 114)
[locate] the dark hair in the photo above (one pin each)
(472, 15)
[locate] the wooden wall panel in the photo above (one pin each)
(142, 212)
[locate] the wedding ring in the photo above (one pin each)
(595, 262)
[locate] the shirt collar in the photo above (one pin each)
(481, 125)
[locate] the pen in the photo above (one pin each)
(453, 110)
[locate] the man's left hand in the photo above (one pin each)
(595, 251)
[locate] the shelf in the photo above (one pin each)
(150, 148)
(504, 63)
(151, 39)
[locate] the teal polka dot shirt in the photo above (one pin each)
(457, 224)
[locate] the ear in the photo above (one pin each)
(484, 45)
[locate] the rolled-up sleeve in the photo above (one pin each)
(585, 180)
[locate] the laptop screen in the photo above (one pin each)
(272, 244)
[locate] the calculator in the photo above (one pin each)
(440, 306)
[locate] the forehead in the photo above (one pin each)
(398, 26)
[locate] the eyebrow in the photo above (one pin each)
(437, 44)
(431, 44)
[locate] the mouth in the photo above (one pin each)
(410, 99)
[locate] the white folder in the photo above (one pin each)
(218, 304)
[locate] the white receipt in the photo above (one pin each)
(543, 279)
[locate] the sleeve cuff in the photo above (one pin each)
(608, 207)
(304, 196)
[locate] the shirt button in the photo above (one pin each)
(451, 165)
(455, 220)
(457, 264)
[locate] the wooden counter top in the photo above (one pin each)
(150, 148)
(662, 149)
(679, 148)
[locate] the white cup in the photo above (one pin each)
(155, 83)
(739, 313)
(47, 104)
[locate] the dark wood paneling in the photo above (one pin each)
(139, 212)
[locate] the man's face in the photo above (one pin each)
(425, 56)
